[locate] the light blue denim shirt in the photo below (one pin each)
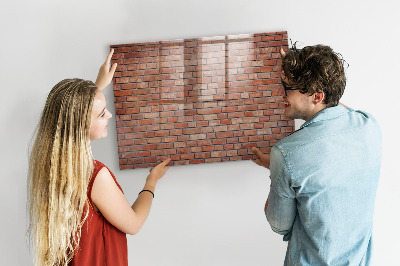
(323, 183)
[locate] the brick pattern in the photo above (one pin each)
(199, 100)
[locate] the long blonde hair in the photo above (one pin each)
(60, 168)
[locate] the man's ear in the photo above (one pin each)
(318, 97)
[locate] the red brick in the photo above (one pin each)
(235, 114)
(120, 112)
(255, 138)
(232, 140)
(250, 132)
(187, 156)
(276, 130)
(183, 150)
(181, 125)
(202, 155)
(231, 153)
(197, 136)
(226, 122)
(134, 135)
(207, 148)
(218, 154)
(229, 109)
(122, 93)
(156, 152)
(126, 142)
(222, 116)
(183, 138)
(136, 161)
(224, 134)
(162, 146)
(169, 151)
(128, 155)
(238, 133)
(137, 165)
(162, 133)
(146, 122)
(169, 139)
(180, 144)
(150, 160)
(140, 141)
(132, 111)
(196, 161)
(143, 154)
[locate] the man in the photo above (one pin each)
(324, 175)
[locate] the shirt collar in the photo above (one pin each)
(326, 114)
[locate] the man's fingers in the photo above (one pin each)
(110, 56)
(165, 162)
(257, 161)
(282, 52)
(256, 151)
(113, 68)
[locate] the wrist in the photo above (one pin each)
(147, 190)
(150, 184)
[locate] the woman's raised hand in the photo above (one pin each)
(106, 74)
(158, 171)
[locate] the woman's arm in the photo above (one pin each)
(114, 206)
(105, 75)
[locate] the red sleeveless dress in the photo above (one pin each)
(101, 243)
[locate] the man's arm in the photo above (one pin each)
(280, 208)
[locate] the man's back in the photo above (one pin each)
(328, 170)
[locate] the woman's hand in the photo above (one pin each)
(262, 159)
(158, 171)
(106, 74)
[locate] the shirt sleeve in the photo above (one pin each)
(281, 210)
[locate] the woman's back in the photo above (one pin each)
(101, 243)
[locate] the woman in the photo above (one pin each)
(78, 212)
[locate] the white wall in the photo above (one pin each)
(208, 214)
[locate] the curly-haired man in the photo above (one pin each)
(324, 175)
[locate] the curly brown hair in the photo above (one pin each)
(316, 69)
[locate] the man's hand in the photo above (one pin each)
(106, 74)
(345, 106)
(282, 52)
(266, 206)
(262, 159)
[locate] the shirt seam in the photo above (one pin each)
(285, 154)
(287, 168)
(314, 120)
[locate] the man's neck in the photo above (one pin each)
(318, 108)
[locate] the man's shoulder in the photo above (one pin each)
(310, 132)
(292, 142)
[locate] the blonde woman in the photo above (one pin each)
(78, 212)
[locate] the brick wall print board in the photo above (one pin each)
(198, 100)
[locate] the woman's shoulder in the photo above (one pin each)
(97, 167)
(100, 168)
(97, 164)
